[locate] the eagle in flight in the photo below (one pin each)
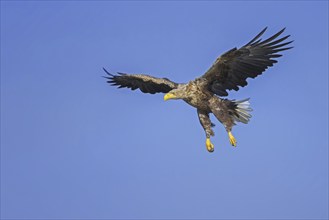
(229, 72)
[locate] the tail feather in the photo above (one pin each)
(242, 110)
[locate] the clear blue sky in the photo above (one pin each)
(74, 147)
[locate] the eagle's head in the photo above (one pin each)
(179, 93)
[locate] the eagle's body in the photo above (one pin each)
(229, 71)
(196, 96)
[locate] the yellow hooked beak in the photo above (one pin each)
(169, 96)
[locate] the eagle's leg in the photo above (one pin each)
(221, 110)
(206, 124)
(232, 139)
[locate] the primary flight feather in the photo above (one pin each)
(229, 72)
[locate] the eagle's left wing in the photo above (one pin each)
(232, 68)
(146, 83)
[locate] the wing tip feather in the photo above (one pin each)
(107, 72)
(257, 36)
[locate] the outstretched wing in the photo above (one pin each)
(232, 68)
(147, 84)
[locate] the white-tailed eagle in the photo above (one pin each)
(229, 72)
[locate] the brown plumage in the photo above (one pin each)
(229, 72)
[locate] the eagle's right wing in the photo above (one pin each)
(232, 68)
(146, 83)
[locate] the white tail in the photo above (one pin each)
(242, 110)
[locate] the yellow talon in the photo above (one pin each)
(232, 139)
(210, 146)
